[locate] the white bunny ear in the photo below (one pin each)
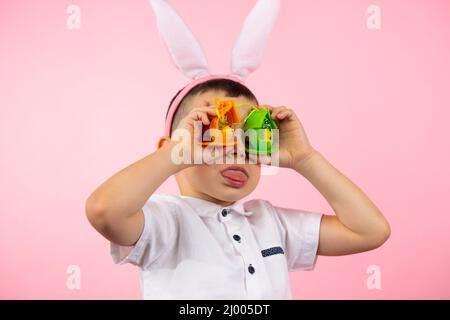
(184, 48)
(249, 47)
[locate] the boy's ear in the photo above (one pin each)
(162, 141)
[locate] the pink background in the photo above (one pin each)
(76, 106)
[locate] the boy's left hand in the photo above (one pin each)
(294, 145)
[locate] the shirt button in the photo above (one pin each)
(251, 269)
(237, 238)
(224, 212)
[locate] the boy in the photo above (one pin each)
(206, 243)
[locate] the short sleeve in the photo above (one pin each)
(301, 236)
(157, 238)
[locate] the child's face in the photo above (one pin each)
(220, 183)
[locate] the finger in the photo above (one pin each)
(276, 111)
(200, 116)
(208, 110)
(205, 118)
(285, 114)
(281, 115)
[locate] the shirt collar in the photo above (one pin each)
(206, 208)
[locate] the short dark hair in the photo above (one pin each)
(230, 87)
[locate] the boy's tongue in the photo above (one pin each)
(234, 177)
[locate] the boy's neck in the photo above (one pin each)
(206, 197)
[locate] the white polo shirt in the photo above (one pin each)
(194, 249)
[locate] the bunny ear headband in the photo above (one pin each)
(189, 57)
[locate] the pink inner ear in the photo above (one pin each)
(249, 48)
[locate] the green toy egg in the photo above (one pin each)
(261, 121)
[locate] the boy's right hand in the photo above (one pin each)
(191, 126)
(203, 114)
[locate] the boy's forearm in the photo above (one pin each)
(126, 192)
(351, 205)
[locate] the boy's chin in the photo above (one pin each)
(230, 194)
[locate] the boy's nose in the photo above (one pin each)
(239, 156)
